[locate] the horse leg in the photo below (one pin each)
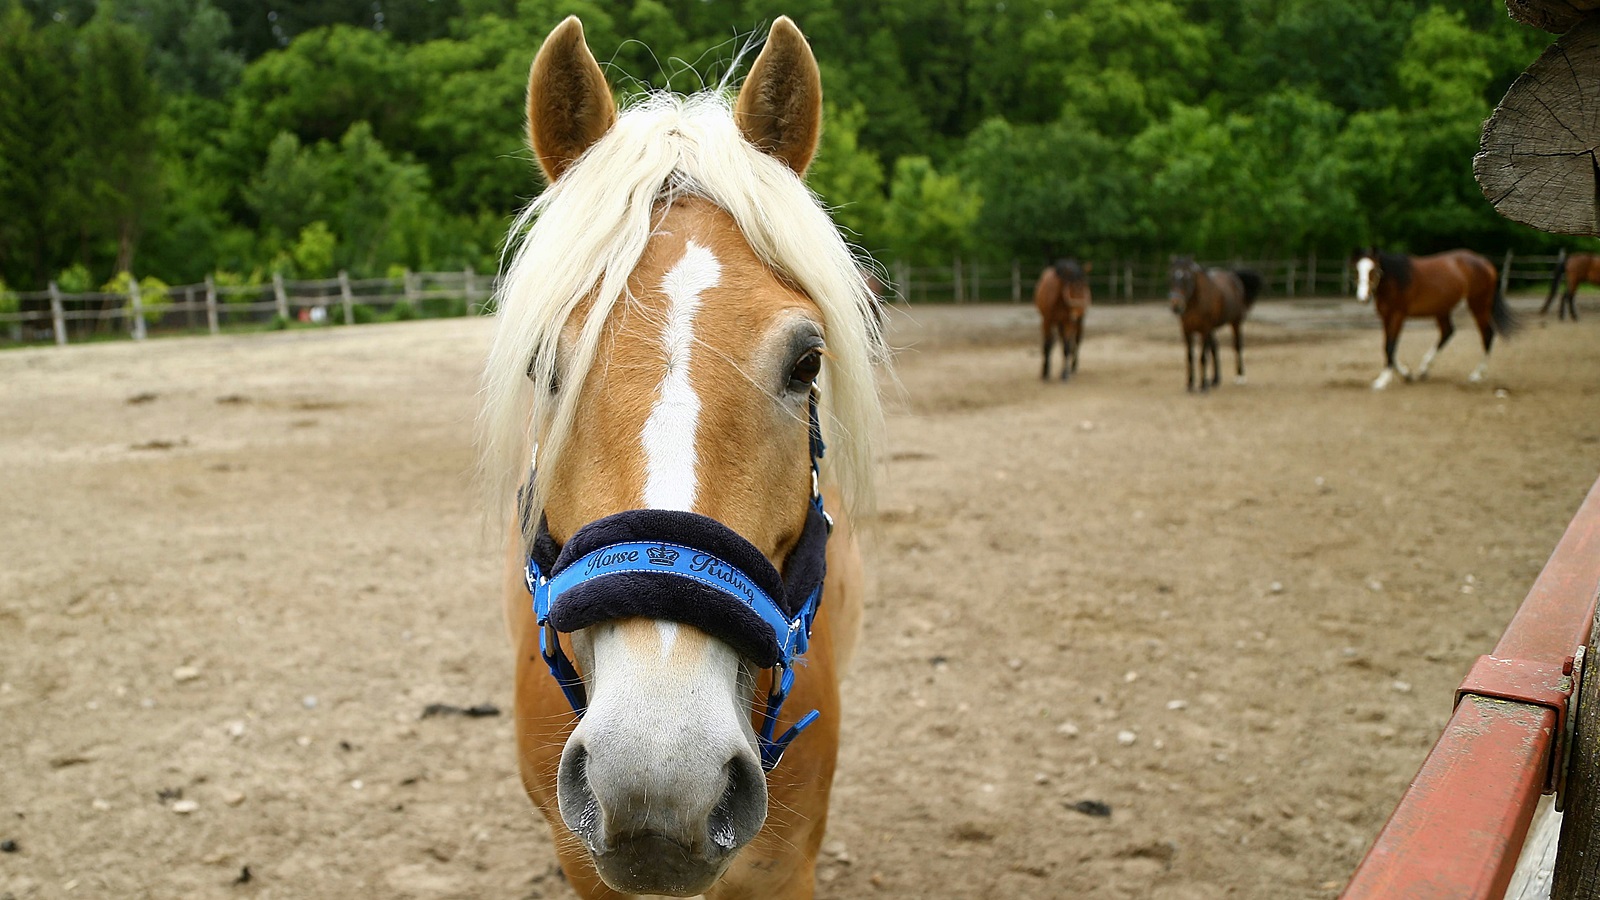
(1049, 336)
(1571, 302)
(1486, 329)
(1446, 329)
(1238, 351)
(1066, 352)
(1077, 342)
(1216, 359)
(1391, 340)
(1188, 353)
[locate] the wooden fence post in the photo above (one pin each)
(211, 305)
(1127, 282)
(136, 298)
(470, 288)
(902, 278)
(58, 316)
(1016, 280)
(410, 289)
(1288, 283)
(1505, 273)
(956, 280)
(345, 298)
(279, 295)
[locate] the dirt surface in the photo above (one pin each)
(241, 567)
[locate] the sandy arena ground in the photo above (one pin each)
(241, 567)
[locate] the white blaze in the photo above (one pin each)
(1363, 277)
(669, 432)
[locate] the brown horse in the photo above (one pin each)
(1205, 300)
(1062, 297)
(1404, 287)
(680, 326)
(1576, 269)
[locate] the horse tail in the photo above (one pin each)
(1506, 321)
(1251, 280)
(1556, 277)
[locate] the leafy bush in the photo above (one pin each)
(75, 279)
(403, 312)
(442, 307)
(363, 314)
(154, 298)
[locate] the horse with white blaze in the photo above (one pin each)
(681, 333)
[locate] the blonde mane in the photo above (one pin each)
(584, 236)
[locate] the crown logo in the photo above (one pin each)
(661, 556)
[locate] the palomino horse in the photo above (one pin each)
(1576, 269)
(1205, 300)
(679, 326)
(1404, 287)
(1062, 297)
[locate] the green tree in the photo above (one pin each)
(849, 178)
(37, 234)
(929, 216)
(1048, 190)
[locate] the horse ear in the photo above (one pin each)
(569, 102)
(780, 106)
(1088, 267)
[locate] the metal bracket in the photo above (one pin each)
(1534, 682)
(1564, 741)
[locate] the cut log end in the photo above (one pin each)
(1557, 16)
(1537, 159)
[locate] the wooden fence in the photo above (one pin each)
(1132, 281)
(210, 307)
(42, 316)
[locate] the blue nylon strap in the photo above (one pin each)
(660, 558)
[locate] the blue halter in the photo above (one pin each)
(684, 567)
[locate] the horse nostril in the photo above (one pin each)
(742, 809)
(580, 809)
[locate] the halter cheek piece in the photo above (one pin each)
(683, 567)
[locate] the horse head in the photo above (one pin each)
(676, 309)
(1369, 271)
(1182, 276)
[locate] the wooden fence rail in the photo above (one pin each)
(41, 316)
(1127, 281)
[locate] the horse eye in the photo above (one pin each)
(555, 376)
(805, 371)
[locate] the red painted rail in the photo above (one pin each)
(1460, 826)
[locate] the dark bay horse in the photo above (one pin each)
(1062, 297)
(1576, 269)
(1204, 300)
(1404, 287)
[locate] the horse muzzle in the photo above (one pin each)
(670, 828)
